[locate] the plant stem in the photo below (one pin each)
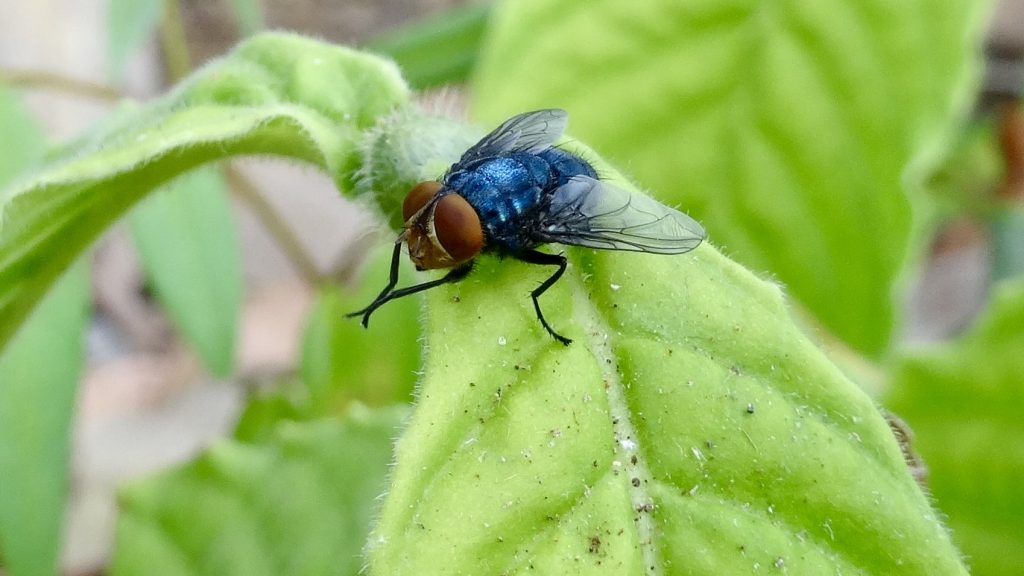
(42, 80)
(174, 42)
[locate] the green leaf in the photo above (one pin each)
(38, 377)
(298, 503)
(964, 180)
(186, 238)
(441, 50)
(131, 23)
(20, 137)
(962, 401)
(691, 428)
(787, 128)
(35, 405)
(275, 94)
(265, 408)
(342, 362)
(248, 15)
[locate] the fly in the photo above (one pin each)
(514, 191)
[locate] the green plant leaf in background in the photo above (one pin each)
(15, 119)
(186, 239)
(275, 94)
(248, 16)
(35, 404)
(691, 428)
(342, 362)
(786, 127)
(299, 502)
(264, 408)
(438, 51)
(965, 179)
(962, 400)
(131, 23)
(39, 373)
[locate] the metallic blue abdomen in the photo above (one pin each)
(565, 165)
(508, 192)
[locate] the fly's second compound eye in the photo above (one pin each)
(457, 227)
(418, 197)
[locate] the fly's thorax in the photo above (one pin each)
(442, 228)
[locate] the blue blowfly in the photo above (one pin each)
(514, 191)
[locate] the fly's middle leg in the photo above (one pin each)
(535, 257)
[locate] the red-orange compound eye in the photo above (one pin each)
(457, 227)
(418, 197)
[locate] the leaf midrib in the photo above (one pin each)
(626, 440)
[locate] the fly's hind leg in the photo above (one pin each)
(535, 257)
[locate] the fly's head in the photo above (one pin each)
(441, 228)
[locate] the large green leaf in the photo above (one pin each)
(787, 127)
(275, 94)
(186, 238)
(962, 400)
(690, 429)
(38, 378)
(248, 16)
(438, 51)
(299, 502)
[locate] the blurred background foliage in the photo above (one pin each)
(867, 157)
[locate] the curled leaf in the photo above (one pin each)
(275, 94)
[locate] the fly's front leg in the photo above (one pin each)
(535, 257)
(454, 275)
(383, 296)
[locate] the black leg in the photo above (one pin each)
(454, 275)
(393, 279)
(535, 257)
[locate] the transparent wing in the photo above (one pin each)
(528, 132)
(588, 212)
